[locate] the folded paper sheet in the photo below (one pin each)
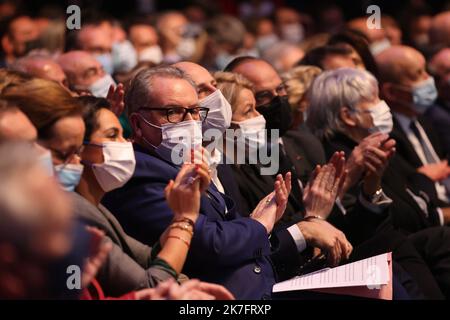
(371, 278)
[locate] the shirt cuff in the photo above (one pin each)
(378, 205)
(298, 237)
(441, 216)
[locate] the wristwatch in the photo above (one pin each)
(375, 197)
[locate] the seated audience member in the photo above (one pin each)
(344, 110)
(175, 43)
(297, 82)
(377, 37)
(439, 114)
(20, 30)
(103, 140)
(36, 228)
(95, 37)
(358, 44)
(144, 38)
(130, 265)
(360, 220)
(439, 31)
(329, 57)
(410, 95)
(283, 56)
(214, 126)
(41, 67)
(85, 74)
(159, 99)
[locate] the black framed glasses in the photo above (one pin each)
(178, 114)
(265, 96)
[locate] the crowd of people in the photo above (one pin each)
(120, 178)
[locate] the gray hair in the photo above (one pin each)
(19, 211)
(140, 92)
(334, 89)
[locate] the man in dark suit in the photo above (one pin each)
(410, 92)
(226, 248)
(439, 114)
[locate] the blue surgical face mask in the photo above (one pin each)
(47, 162)
(69, 175)
(424, 95)
(106, 61)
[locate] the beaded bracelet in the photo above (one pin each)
(180, 238)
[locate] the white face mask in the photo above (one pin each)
(219, 114)
(253, 130)
(124, 56)
(100, 87)
(178, 139)
(424, 95)
(379, 46)
(293, 32)
(382, 118)
(153, 54)
(117, 167)
(265, 42)
(186, 48)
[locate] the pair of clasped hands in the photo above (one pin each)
(327, 183)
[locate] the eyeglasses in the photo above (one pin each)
(66, 157)
(178, 114)
(265, 96)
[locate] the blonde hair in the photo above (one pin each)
(44, 102)
(230, 84)
(297, 81)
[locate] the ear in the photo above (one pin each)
(347, 117)
(7, 45)
(135, 125)
(388, 91)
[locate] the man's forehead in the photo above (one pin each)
(171, 91)
(260, 73)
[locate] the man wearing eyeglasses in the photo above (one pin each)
(164, 112)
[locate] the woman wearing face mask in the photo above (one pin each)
(109, 163)
(58, 120)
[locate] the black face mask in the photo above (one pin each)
(277, 113)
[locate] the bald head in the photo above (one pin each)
(42, 67)
(440, 29)
(202, 78)
(266, 81)
(81, 68)
(401, 64)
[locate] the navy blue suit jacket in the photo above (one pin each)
(226, 248)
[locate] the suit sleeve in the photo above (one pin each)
(228, 243)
